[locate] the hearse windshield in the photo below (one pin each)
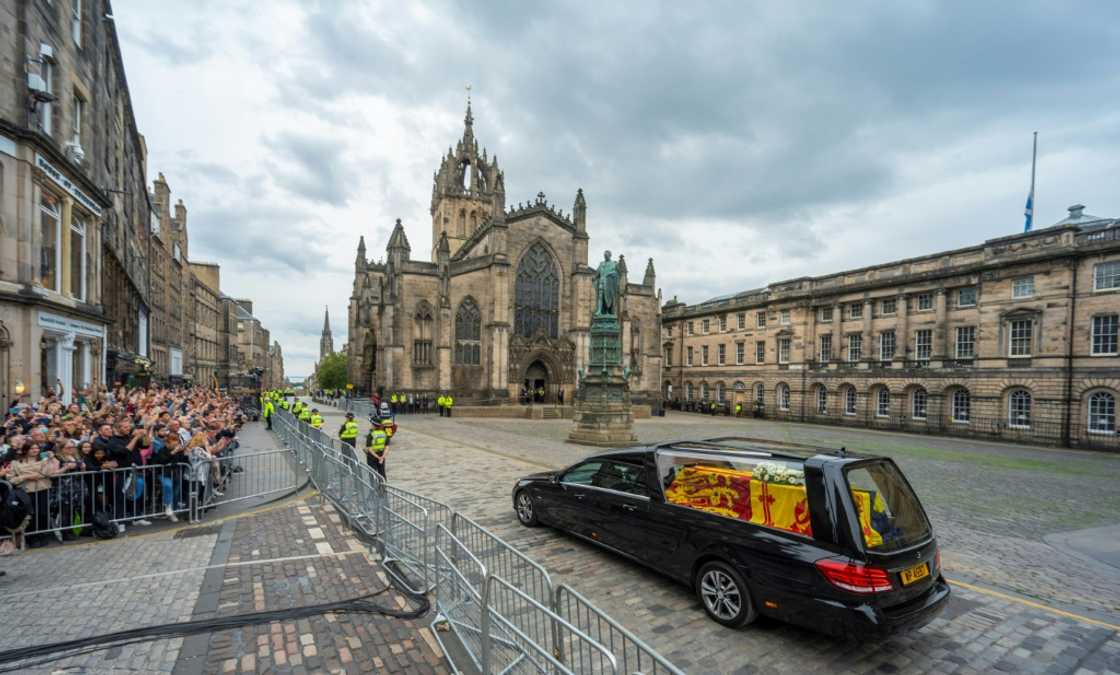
(890, 516)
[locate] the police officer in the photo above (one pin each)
(305, 414)
(377, 449)
(316, 419)
(348, 432)
(450, 404)
(268, 410)
(393, 401)
(738, 409)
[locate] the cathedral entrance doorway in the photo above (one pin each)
(536, 381)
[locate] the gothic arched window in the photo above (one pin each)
(537, 294)
(422, 335)
(468, 333)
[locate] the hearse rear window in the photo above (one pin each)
(763, 491)
(890, 515)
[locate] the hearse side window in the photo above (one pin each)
(890, 515)
(759, 490)
(582, 474)
(616, 476)
(622, 477)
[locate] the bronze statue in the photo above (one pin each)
(606, 287)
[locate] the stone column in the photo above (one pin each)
(64, 365)
(902, 329)
(837, 329)
(84, 352)
(868, 338)
(810, 339)
(941, 330)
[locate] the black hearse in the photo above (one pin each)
(824, 539)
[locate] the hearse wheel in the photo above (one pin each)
(525, 512)
(724, 595)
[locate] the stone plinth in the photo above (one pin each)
(603, 416)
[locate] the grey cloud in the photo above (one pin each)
(173, 50)
(256, 237)
(311, 167)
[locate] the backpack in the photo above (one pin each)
(103, 526)
(15, 507)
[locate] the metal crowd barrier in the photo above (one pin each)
(242, 476)
(500, 604)
(131, 494)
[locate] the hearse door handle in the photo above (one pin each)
(629, 507)
(578, 495)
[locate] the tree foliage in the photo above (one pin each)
(332, 371)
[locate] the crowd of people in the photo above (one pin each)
(399, 402)
(113, 457)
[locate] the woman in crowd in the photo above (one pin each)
(31, 470)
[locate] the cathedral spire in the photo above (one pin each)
(650, 277)
(326, 342)
(468, 122)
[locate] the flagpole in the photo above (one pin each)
(1034, 160)
(1028, 211)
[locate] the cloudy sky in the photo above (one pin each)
(736, 143)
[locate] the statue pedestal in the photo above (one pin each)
(602, 407)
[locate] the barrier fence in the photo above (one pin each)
(186, 488)
(502, 607)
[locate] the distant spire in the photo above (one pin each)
(326, 342)
(650, 277)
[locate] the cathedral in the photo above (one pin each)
(503, 306)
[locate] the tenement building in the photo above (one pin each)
(1014, 338)
(74, 212)
(504, 305)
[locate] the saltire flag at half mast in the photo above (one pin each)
(1028, 212)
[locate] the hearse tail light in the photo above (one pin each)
(854, 577)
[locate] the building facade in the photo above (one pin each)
(1014, 338)
(208, 336)
(504, 303)
(274, 378)
(73, 214)
(170, 276)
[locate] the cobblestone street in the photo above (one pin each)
(991, 506)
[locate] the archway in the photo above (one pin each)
(536, 381)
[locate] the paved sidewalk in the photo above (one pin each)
(285, 555)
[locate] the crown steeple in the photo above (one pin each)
(468, 189)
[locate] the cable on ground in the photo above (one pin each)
(70, 648)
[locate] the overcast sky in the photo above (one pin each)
(737, 143)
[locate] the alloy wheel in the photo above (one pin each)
(525, 507)
(721, 595)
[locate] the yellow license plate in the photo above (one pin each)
(915, 573)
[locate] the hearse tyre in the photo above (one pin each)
(724, 594)
(523, 505)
